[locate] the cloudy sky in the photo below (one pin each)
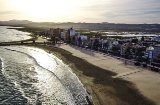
(113, 11)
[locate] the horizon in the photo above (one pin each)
(82, 11)
(74, 22)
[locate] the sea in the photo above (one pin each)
(31, 76)
(7, 34)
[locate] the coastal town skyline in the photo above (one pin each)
(90, 11)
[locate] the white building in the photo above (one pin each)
(157, 39)
(83, 37)
(72, 32)
(63, 35)
(156, 51)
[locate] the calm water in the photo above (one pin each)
(7, 35)
(32, 76)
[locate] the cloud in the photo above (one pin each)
(126, 11)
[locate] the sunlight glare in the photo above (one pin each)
(44, 8)
(46, 60)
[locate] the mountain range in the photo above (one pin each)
(89, 26)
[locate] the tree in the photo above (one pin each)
(158, 58)
(115, 48)
(127, 50)
(134, 40)
(53, 39)
(142, 39)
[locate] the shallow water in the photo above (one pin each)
(7, 35)
(30, 75)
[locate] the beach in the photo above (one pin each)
(107, 79)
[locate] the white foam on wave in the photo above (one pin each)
(59, 81)
(65, 75)
(0, 64)
(48, 84)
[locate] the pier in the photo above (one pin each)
(25, 43)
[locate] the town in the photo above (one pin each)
(140, 48)
(80, 52)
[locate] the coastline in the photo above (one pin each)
(98, 79)
(99, 82)
(33, 37)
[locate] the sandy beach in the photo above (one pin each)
(109, 80)
(146, 81)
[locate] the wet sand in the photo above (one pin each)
(109, 80)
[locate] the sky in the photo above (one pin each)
(91, 11)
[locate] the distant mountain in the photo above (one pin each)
(20, 21)
(15, 22)
(91, 26)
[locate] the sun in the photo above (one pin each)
(44, 8)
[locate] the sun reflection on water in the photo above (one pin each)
(47, 60)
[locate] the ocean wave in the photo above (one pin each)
(55, 82)
(0, 64)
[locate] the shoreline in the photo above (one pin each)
(99, 82)
(98, 79)
(33, 37)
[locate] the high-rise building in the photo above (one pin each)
(55, 32)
